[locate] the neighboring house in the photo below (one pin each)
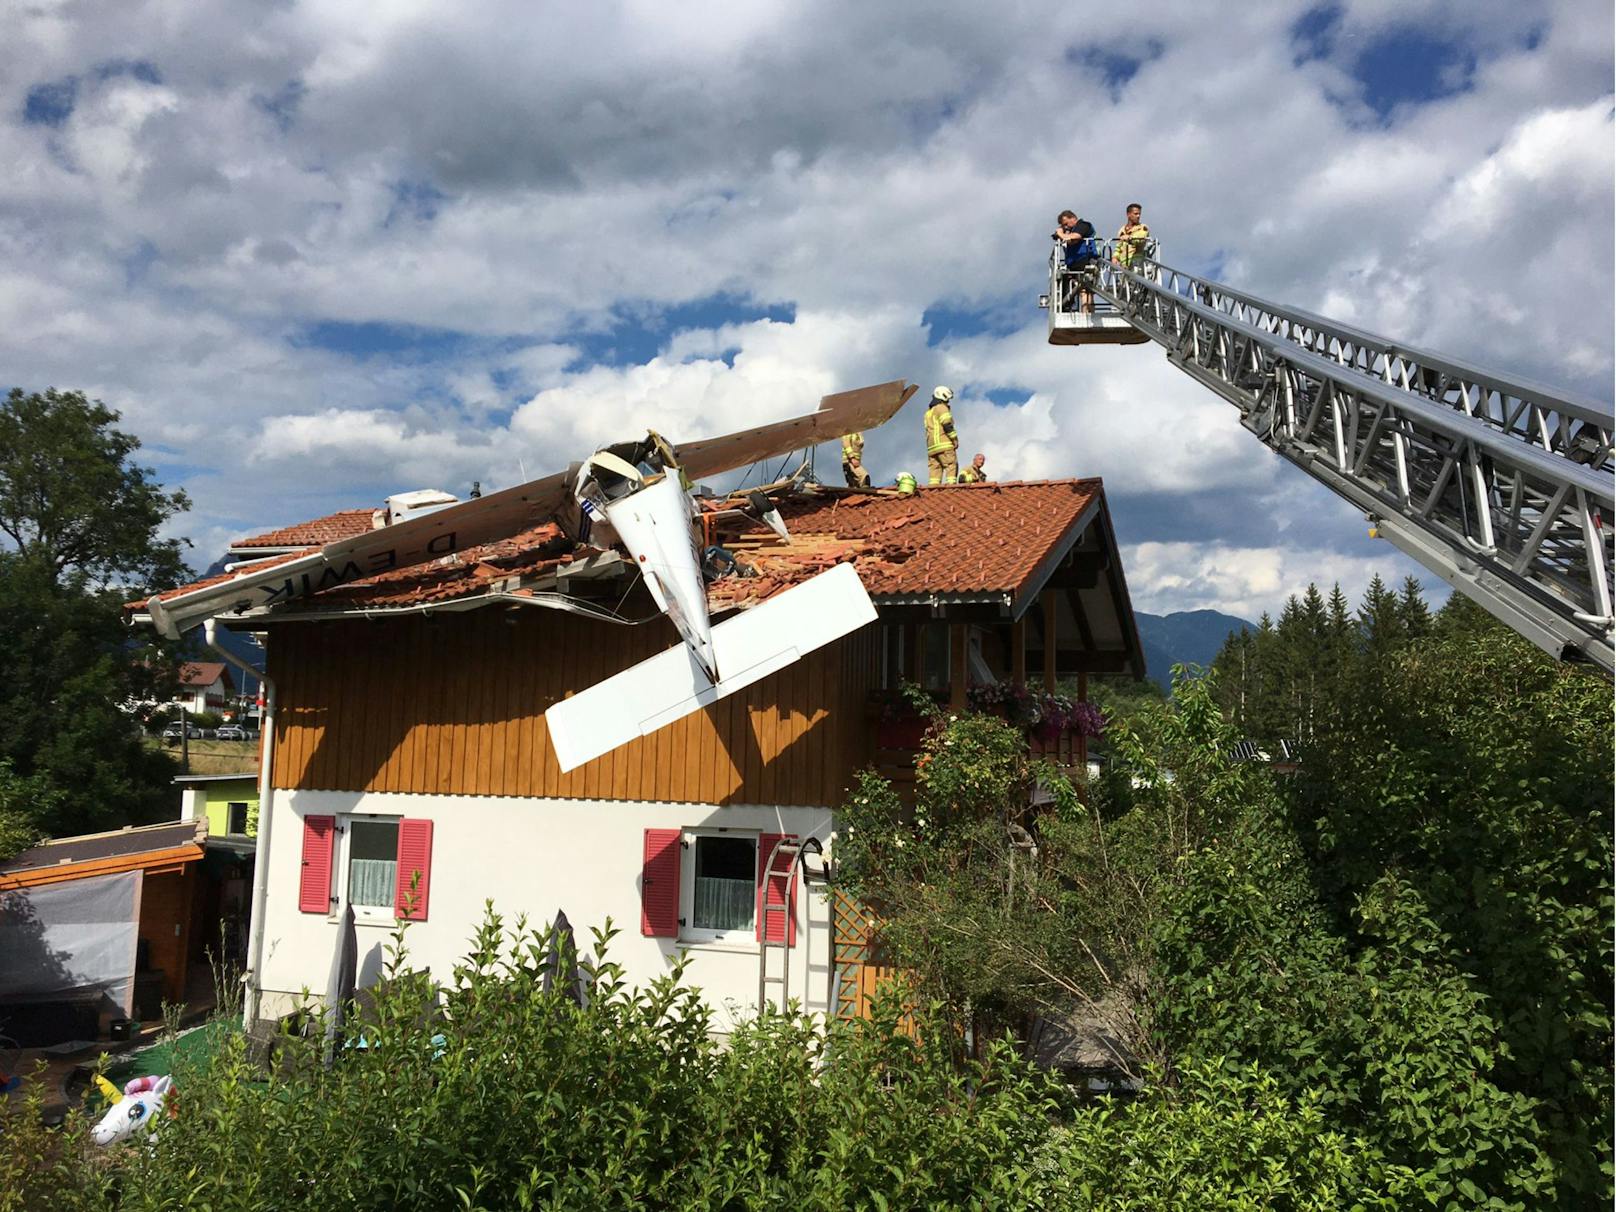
(98, 927)
(205, 686)
(412, 773)
(228, 802)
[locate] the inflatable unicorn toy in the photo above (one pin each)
(138, 1106)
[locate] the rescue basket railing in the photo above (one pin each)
(1066, 285)
(1501, 487)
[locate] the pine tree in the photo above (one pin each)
(1269, 689)
(1311, 651)
(1234, 668)
(1412, 611)
(1380, 622)
(1340, 644)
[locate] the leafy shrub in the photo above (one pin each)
(1222, 1138)
(500, 1094)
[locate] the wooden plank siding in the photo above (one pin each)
(454, 705)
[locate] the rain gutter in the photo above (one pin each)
(266, 820)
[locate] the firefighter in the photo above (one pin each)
(942, 443)
(1132, 237)
(853, 461)
(974, 474)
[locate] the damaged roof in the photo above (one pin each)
(956, 542)
(344, 524)
(993, 545)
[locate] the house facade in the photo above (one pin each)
(205, 686)
(413, 776)
(227, 802)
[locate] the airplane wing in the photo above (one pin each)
(483, 519)
(509, 511)
(844, 413)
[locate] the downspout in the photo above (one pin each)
(266, 818)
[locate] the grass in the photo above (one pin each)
(210, 756)
(195, 1045)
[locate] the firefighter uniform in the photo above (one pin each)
(1130, 244)
(942, 443)
(853, 461)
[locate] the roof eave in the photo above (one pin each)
(1034, 584)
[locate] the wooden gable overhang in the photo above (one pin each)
(1077, 593)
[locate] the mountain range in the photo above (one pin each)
(1185, 637)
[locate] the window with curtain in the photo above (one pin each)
(372, 863)
(725, 883)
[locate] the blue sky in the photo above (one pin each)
(317, 255)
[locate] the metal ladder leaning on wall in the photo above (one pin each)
(787, 867)
(1503, 488)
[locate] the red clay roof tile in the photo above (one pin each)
(202, 673)
(344, 524)
(966, 540)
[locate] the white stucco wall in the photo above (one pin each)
(194, 804)
(534, 856)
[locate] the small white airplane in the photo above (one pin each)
(635, 495)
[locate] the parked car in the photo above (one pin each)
(174, 731)
(234, 732)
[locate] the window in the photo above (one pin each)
(718, 901)
(372, 865)
(235, 817)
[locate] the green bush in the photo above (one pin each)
(496, 1094)
(1225, 1137)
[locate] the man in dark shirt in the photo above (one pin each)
(1076, 238)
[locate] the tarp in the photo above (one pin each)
(70, 941)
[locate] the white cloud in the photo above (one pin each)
(528, 176)
(1247, 581)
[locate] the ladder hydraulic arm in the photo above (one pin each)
(1502, 488)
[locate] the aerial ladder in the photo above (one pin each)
(1502, 487)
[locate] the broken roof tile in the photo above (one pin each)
(967, 540)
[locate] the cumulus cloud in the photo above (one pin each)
(207, 209)
(1242, 581)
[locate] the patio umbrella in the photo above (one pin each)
(344, 975)
(563, 949)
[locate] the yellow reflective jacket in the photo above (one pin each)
(1131, 240)
(852, 447)
(940, 429)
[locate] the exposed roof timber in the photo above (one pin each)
(1075, 601)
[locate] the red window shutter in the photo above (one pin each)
(778, 891)
(314, 880)
(659, 884)
(414, 854)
